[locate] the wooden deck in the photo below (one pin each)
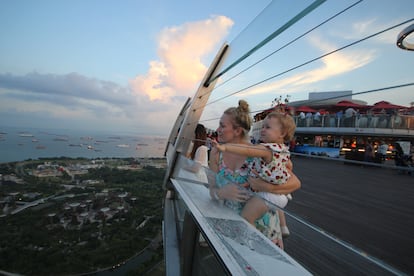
(370, 208)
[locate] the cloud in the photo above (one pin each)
(76, 100)
(53, 88)
(62, 97)
(181, 50)
(148, 105)
(369, 26)
(330, 66)
(337, 63)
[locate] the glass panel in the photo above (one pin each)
(348, 45)
(274, 19)
(205, 260)
(187, 169)
(342, 46)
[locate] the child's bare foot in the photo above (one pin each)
(285, 231)
(279, 243)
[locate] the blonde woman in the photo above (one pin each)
(271, 163)
(233, 171)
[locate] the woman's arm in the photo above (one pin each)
(201, 156)
(259, 185)
(193, 167)
(200, 159)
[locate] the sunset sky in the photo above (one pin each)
(129, 66)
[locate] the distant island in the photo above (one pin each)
(73, 216)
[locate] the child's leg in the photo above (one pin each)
(283, 226)
(254, 209)
(282, 218)
(279, 243)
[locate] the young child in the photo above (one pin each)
(271, 162)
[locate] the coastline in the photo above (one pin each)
(19, 144)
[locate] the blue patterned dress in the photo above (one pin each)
(269, 223)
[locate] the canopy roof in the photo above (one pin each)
(387, 105)
(305, 108)
(348, 104)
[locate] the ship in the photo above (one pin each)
(123, 146)
(61, 139)
(75, 145)
(272, 48)
(25, 134)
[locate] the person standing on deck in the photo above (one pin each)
(271, 162)
(233, 172)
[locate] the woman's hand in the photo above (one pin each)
(289, 166)
(233, 192)
(219, 147)
(257, 184)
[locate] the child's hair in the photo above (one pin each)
(200, 138)
(241, 116)
(287, 122)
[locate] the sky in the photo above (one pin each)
(125, 66)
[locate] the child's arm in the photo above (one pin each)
(245, 150)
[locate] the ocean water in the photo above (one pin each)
(18, 144)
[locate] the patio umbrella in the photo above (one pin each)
(305, 108)
(322, 111)
(387, 105)
(348, 104)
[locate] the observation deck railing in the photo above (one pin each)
(275, 45)
(385, 121)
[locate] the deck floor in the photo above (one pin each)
(370, 208)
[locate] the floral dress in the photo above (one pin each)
(269, 223)
(275, 171)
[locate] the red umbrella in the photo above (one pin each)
(322, 111)
(305, 108)
(387, 105)
(348, 104)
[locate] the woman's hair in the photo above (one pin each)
(398, 147)
(240, 116)
(200, 138)
(287, 122)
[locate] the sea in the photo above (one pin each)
(19, 144)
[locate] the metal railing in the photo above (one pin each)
(384, 121)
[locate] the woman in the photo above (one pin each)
(199, 153)
(233, 171)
